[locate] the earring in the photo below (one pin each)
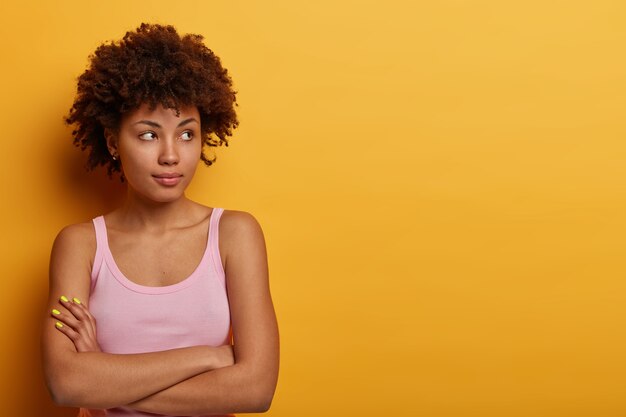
(114, 157)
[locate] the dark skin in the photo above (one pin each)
(77, 323)
(186, 381)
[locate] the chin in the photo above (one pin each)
(161, 196)
(168, 197)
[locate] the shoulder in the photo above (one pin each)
(76, 233)
(239, 222)
(76, 239)
(240, 232)
(71, 261)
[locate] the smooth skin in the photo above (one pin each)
(157, 238)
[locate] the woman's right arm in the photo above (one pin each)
(97, 379)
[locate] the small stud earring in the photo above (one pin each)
(114, 157)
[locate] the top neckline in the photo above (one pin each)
(163, 289)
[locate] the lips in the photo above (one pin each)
(168, 178)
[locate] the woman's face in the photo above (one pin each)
(158, 151)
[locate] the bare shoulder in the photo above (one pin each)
(74, 247)
(76, 237)
(237, 222)
(240, 234)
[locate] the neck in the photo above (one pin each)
(137, 212)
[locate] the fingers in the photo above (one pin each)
(76, 322)
(80, 312)
(76, 316)
(68, 331)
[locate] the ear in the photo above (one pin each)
(111, 139)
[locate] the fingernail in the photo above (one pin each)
(76, 300)
(59, 325)
(56, 312)
(64, 298)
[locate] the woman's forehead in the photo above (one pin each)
(160, 112)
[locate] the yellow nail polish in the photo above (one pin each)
(56, 312)
(59, 325)
(76, 300)
(64, 298)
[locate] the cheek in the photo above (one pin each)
(192, 154)
(133, 164)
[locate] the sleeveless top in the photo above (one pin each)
(133, 318)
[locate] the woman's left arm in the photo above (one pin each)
(249, 384)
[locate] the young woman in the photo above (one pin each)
(163, 305)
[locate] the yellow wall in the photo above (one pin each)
(442, 186)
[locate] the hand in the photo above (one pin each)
(77, 323)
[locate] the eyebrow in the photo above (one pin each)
(155, 124)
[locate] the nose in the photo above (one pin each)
(168, 154)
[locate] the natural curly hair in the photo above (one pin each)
(151, 65)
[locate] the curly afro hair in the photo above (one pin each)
(152, 65)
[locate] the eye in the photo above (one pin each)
(147, 136)
(186, 136)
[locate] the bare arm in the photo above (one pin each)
(248, 385)
(95, 379)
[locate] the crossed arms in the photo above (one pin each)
(187, 381)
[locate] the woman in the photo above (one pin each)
(163, 305)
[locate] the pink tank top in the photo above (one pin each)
(133, 318)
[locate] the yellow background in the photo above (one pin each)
(442, 187)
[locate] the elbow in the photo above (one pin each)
(255, 398)
(60, 380)
(262, 408)
(56, 397)
(255, 389)
(60, 395)
(65, 392)
(74, 398)
(62, 401)
(260, 405)
(56, 388)
(263, 399)
(264, 404)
